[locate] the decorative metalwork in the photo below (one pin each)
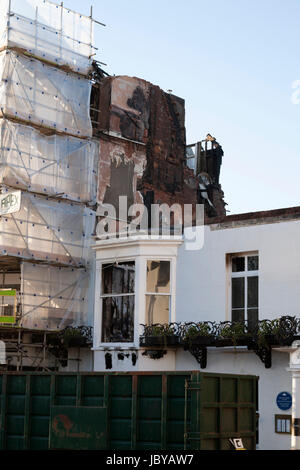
(265, 355)
(169, 329)
(200, 354)
(83, 335)
(196, 336)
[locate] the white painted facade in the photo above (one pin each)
(200, 287)
(206, 284)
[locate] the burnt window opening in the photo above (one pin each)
(205, 157)
(95, 105)
(245, 289)
(158, 295)
(96, 76)
(118, 298)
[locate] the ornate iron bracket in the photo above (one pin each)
(265, 355)
(200, 354)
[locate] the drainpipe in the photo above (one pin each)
(295, 370)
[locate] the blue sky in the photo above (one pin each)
(234, 63)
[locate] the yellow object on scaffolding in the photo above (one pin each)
(8, 319)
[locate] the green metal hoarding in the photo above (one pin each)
(129, 411)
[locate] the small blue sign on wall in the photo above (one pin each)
(284, 401)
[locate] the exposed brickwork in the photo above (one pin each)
(140, 124)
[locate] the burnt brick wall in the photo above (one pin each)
(145, 126)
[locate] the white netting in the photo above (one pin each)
(48, 31)
(35, 92)
(53, 298)
(51, 165)
(48, 230)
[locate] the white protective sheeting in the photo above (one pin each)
(48, 230)
(53, 298)
(46, 96)
(48, 31)
(52, 165)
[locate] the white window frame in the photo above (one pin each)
(103, 296)
(171, 294)
(243, 274)
(139, 250)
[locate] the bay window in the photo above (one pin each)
(135, 284)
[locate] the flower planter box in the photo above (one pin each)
(199, 341)
(285, 341)
(149, 341)
(268, 340)
(244, 341)
(240, 341)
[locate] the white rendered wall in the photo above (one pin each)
(202, 294)
(201, 274)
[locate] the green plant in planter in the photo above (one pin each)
(234, 331)
(163, 335)
(197, 331)
(267, 328)
(162, 330)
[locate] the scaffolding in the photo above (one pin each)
(54, 298)
(48, 230)
(48, 31)
(39, 350)
(57, 165)
(49, 158)
(45, 96)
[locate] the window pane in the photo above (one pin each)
(157, 309)
(252, 292)
(238, 292)
(238, 315)
(238, 264)
(253, 263)
(252, 315)
(118, 319)
(118, 278)
(158, 276)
